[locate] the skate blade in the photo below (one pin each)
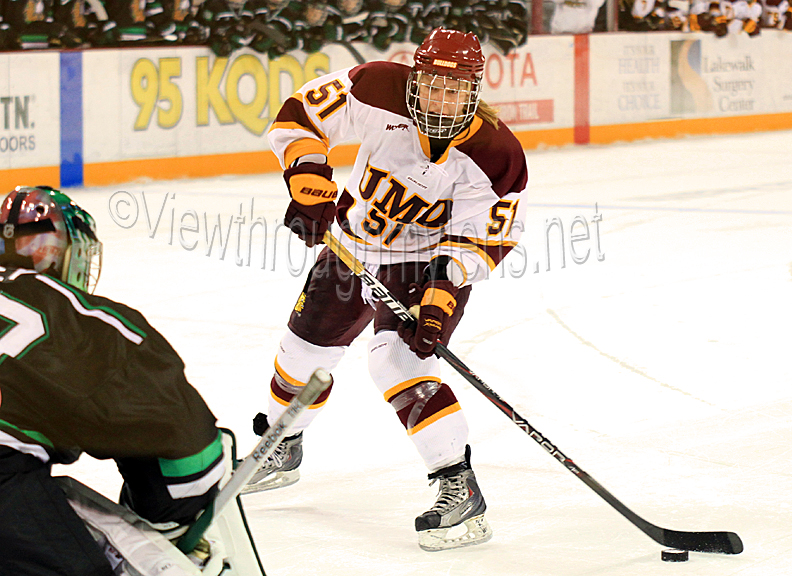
(276, 480)
(477, 531)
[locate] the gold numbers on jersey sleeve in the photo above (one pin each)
(319, 96)
(502, 211)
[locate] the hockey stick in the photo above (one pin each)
(274, 435)
(718, 542)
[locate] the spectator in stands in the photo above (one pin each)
(30, 23)
(699, 18)
(735, 16)
(776, 14)
(574, 16)
(648, 15)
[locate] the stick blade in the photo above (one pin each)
(714, 542)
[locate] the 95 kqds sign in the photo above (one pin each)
(188, 102)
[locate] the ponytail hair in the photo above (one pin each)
(487, 113)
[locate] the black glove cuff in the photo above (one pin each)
(437, 269)
(308, 168)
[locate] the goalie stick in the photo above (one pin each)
(274, 435)
(717, 542)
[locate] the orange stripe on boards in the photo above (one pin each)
(581, 89)
(42, 176)
(259, 162)
(689, 127)
(263, 161)
(432, 419)
(103, 173)
(533, 139)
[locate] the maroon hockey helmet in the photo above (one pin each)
(450, 53)
(445, 83)
(44, 227)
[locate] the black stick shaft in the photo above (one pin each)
(717, 542)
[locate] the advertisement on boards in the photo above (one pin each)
(777, 47)
(717, 78)
(188, 102)
(629, 79)
(646, 77)
(531, 86)
(29, 110)
(734, 76)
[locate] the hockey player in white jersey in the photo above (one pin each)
(430, 207)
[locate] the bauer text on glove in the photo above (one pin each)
(312, 208)
(432, 305)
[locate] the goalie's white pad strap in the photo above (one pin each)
(24, 447)
(143, 550)
(199, 486)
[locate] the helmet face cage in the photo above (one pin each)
(441, 105)
(82, 263)
(70, 252)
(444, 86)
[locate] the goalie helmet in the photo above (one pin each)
(444, 85)
(44, 226)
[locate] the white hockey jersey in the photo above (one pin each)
(398, 205)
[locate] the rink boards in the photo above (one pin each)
(100, 117)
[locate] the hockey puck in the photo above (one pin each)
(672, 555)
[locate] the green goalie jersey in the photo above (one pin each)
(81, 373)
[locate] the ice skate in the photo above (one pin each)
(282, 468)
(457, 518)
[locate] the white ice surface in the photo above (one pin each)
(662, 370)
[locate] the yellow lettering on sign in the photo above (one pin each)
(316, 64)
(144, 87)
(154, 86)
(248, 114)
(207, 92)
(290, 66)
(169, 92)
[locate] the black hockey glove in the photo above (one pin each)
(312, 208)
